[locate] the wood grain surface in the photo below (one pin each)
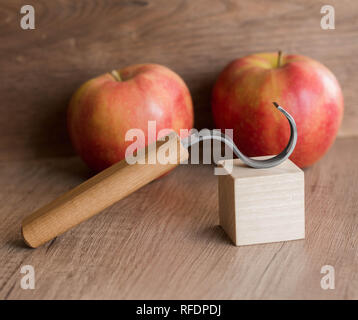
(152, 246)
(261, 206)
(102, 190)
(76, 40)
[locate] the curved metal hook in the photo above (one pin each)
(259, 164)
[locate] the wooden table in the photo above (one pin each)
(154, 246)
(164, 241)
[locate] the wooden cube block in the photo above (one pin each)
(261, 205)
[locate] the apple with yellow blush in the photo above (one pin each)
(103, 109)
(242, 100)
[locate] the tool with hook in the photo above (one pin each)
(121, 179)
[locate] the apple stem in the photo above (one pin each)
(279, 55)
(116, 75)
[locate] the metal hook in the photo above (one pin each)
(259, 164)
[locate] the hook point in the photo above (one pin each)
(275, 104)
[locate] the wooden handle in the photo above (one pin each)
(99, 192)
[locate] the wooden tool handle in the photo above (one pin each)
(101, 191)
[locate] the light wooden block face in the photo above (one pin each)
(262, 205)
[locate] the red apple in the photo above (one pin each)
(103, 109)
(243, 95)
